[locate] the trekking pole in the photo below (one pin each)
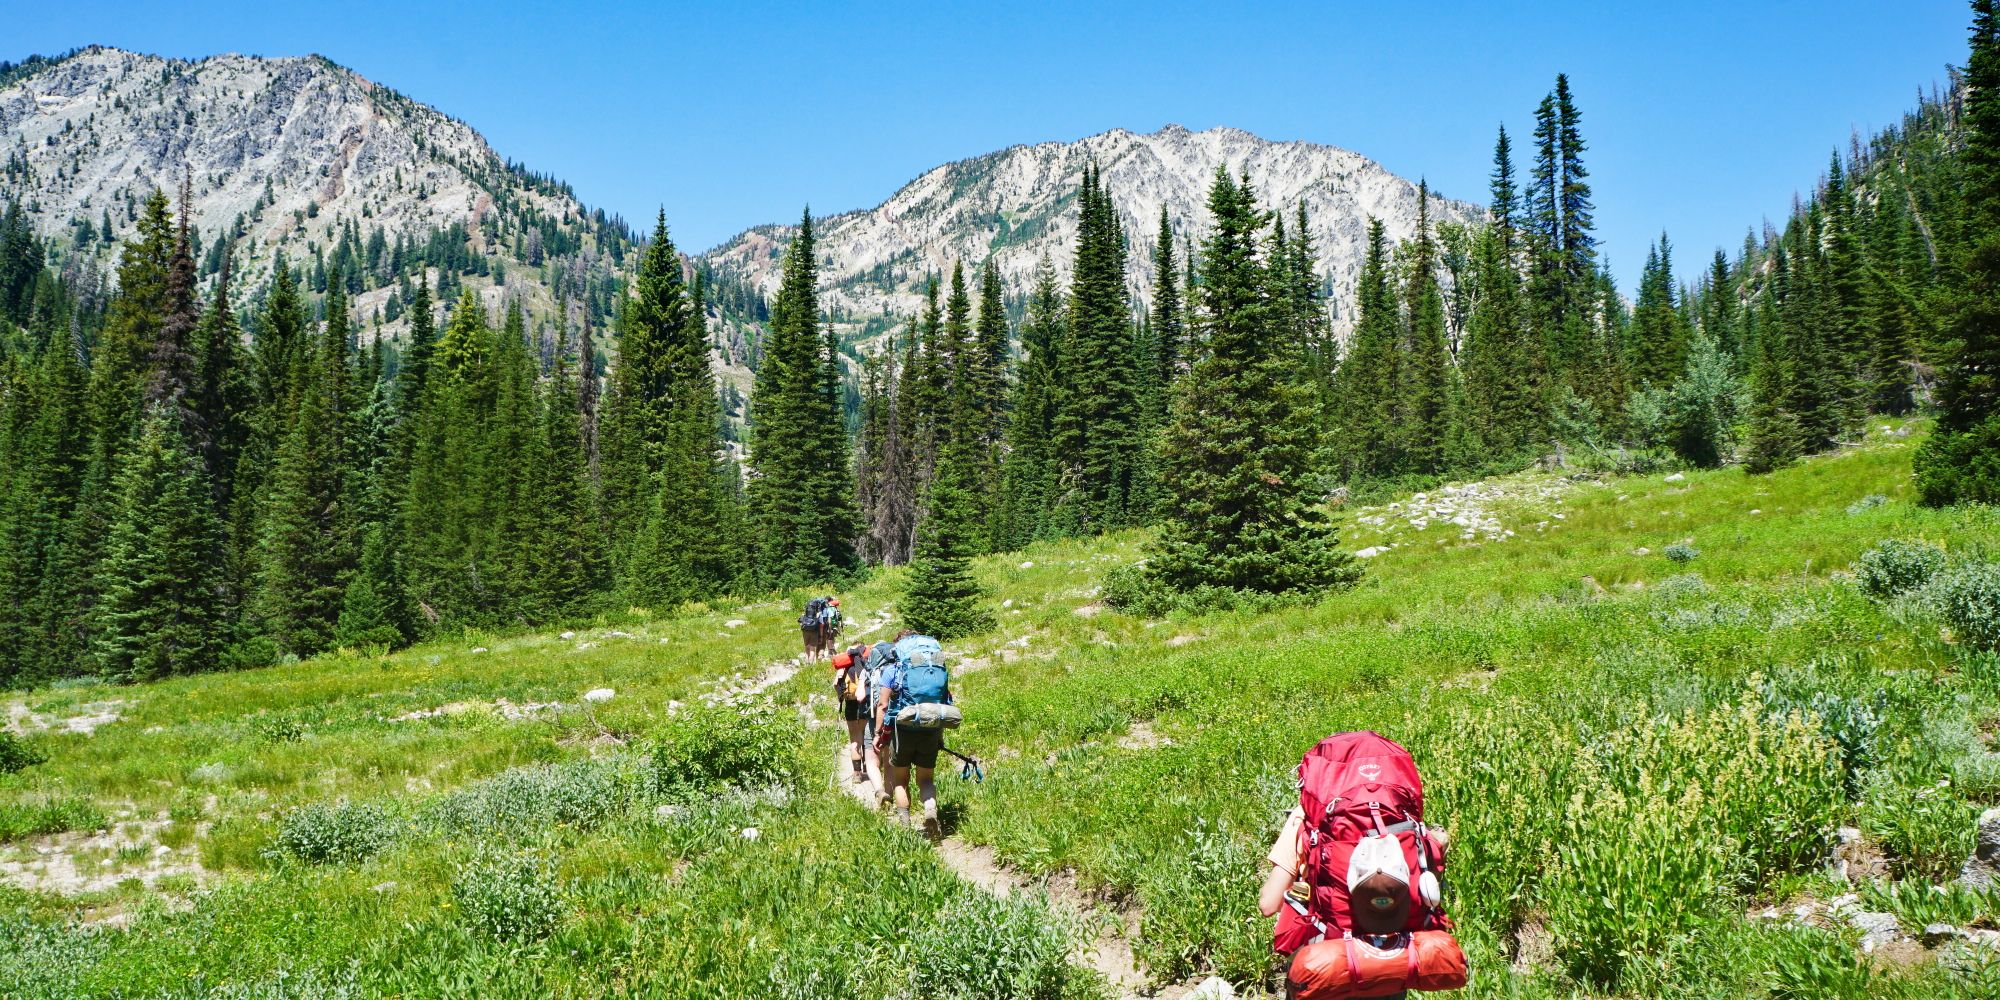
(970, 769)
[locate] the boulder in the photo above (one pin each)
(1982, 870)
(598, 696)
(1213, 988)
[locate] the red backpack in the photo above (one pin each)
(1355, 785)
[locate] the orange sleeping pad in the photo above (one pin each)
(1347, 967)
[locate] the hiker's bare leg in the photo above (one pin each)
(927, 791)
(857, 735)
(899, 787)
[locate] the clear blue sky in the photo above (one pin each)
(1703, 117)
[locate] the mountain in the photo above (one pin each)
(297, 155)
(1018, 204)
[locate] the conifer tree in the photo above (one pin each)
(44, 445)
(160, 607)
(1960, 462)
(988, 385)
(1029, 471)
(1423, 392)
(451, 556)
(1502, 371)
(1098, 432)
(1238, 514)
(1658, 348)
(801, 496)
(1363, 439)
(942, 598)
(881, 464)
(1168, 320)
(661, 423)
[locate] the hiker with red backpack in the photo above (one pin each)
(851, 685)
(1354, 878)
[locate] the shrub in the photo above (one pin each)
(1923, 824)
(988, 948)
(1133, 590)
(583, 794)
(1896, 566)
(16, 754)
(704, 750)
(510, 897)
(1869, 502)
(343, 833)
(1967, 599)
(32, 816)
(1681, 552)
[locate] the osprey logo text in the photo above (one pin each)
(1370, 771)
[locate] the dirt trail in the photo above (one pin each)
(1113, 930)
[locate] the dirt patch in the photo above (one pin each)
(71, 864)
(1858, 859)
(21, 720)
(1532, 947)
(1142, 737)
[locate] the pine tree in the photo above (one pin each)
(452, 557)
(1363, 438)
(1960, 463)
(160, 609)
(1238, 513)
(44, 445)
(942, 598)
(1168, 321)
(1658, 348)
(801, 496)
(661, 424)
(1098, 430)
(1028, 473)
(1502, 371)
(1425, 420)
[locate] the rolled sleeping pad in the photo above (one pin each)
(930, 715)
(1345, 967)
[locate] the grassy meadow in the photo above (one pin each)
(1644, 706)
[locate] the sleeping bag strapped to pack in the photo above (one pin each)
(1354, 786)
(923, 685)
(850, 673)
(1350, 967)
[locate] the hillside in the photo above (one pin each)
(1018, 204)
(297, 156)
(1646, 707)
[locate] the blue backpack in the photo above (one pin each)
(922, 678)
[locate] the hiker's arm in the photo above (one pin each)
(1271, 898)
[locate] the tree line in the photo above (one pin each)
(186, 487)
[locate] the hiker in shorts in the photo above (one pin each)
(856, 712)
(910, 750)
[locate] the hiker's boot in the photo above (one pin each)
(932, 829)
(902, 818)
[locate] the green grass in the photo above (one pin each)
(1633, 753)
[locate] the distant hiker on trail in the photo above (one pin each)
(914, 707)
(1354, 878)
(851, 685)
(819, 626)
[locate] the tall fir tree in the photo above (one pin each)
(943, 599)
(1098, 432)
(1500, 363)
(1169, 318)
(1960, 462)
(1238, 511)
(1424, 415)
(801, 494)
(160, 610)
(1029, 471)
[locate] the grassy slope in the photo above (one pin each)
(1581, 740)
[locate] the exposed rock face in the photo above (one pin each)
(1020, 203)
(296, 148)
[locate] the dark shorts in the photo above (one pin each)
(916, 747)
(854, 711)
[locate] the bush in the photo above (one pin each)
(1869, 502)
(344, 833)
(989, 948)
(1806, 963)
(510, 897)
(583, 794)
(1681, 552)
(1133, 590)
(1967, 599)
(1924, 825)
(1960, 466)
(33, 816)
(16, 754)
(705, 750)
(1896, 566)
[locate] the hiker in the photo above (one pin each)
(1356, 888)
(852, 684)
(914, 706)
(812, 627)
(831, 623)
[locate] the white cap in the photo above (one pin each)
(1377, 856)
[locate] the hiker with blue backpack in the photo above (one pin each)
(914, 707)
(819, 625)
